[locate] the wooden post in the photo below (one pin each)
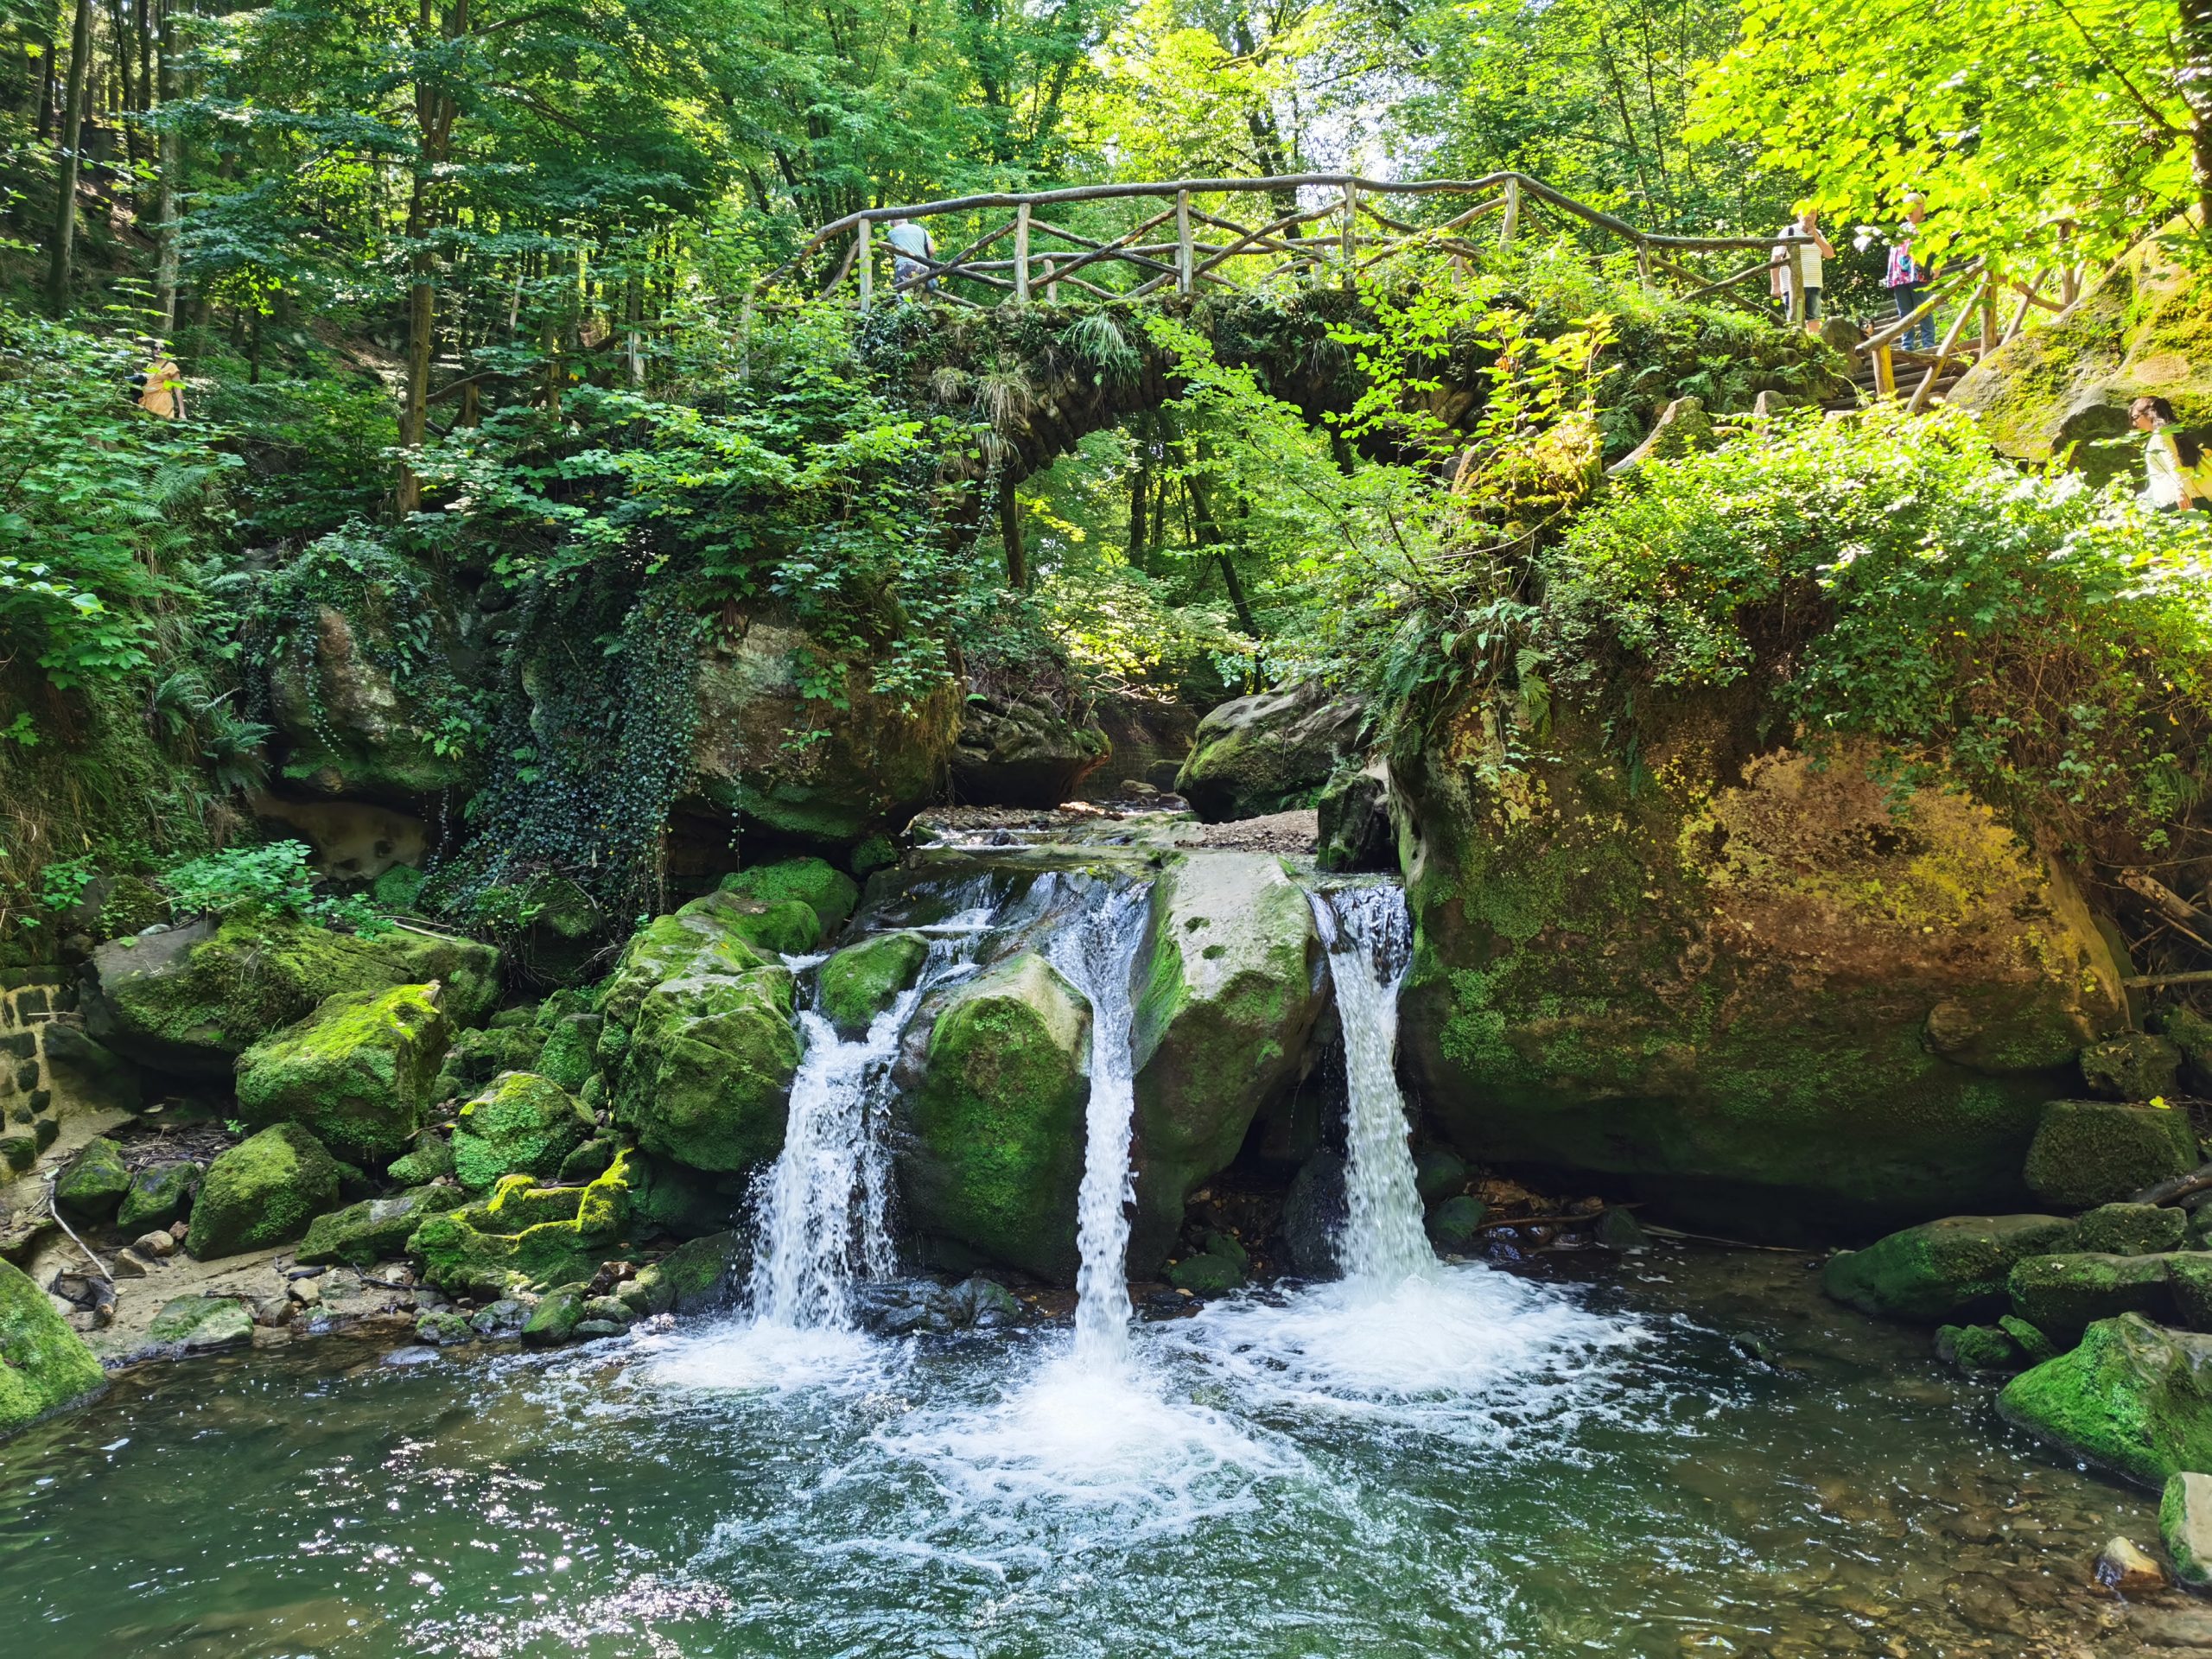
(1021, 253)
(745, 339)
(1796, 282)
(1183, 261)
(1927, 387)
(1052, 287)
(1512, 212)
(1350, 233)
(1989, 317)
(2070, 284)
(865, 260)
(1885, 373)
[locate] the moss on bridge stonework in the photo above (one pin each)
(1793, 992)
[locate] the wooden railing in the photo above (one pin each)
(1184, 234)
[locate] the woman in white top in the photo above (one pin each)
(2169, 459)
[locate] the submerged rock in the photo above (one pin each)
(1978, 1350)
(2132, 1398)
(1266, 753)
(2096, 1152)
(522, 1125)
(357, 1071)
(862, 980)
(1942, 1270)
(1228, 991)
(196, 1324)
(995, 1150)
(265, 1190)
(45, 1367)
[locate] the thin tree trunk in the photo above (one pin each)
(126, 85)
(1140, 492)
(171, 143)
(1017, 557)
(46, 86)
(434, 117)
(65, 210)
(2195, 83)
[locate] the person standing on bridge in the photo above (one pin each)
(1908, 280)
(912, 252)
(1779, 277)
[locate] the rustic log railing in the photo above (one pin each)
(1193, 239)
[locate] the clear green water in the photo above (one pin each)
(1602, 1468)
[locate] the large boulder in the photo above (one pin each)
(994, 1151)
(826, 769)
(526, 1237)
(263, 1192)
(820, 885)
(1228, 993)
(2095, 1152)
(521, 1124)
(2067, 381)
(2062, 1295)
(1022, 750)
(707, 1078)
(362, 1234)
(45, 1367)
(192, 1000)
(357, 1070)
(1265, 754)
(1942, 1270)
(2132, 1398)
(94, 1183)
(862, 980)
(1773, 992)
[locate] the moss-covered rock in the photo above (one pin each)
(1206, 1275)
(1941, 1271)
(2130, 1230)
(199, 1324)
(1227, 995)
(159, 1194)
(1765, 988)
(2064, 1296)
(93, 1186)
(521, 1124)
(2188, 1277)
(554, 1320)
(2132, 1398)
(2094, 1152)
(263, 1192)
(427, 1160)
(375, 1229)
(707, 1080)
(357, 1070)
(995, 1154)
(2185, 1527)
(2034, 1346)
(868, 763)
(2133, 1065)
(696, 941)
(193, 999)
(862, 980)
(1264, 753)
(1455, 1223)
(702, 1275)
(779, 927)
(526, 1236)
(569, 1047)
(477, 1057)
(1023, 750)
(1978, 1350)
(822, 886)
(347, 722)
(45, 1367)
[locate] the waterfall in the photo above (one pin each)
(1369, 940)
(1098, 954)
(823, 1207)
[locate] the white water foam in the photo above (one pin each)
(1098, 954)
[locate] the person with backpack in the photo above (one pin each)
(1908, 280)
(2169, 459)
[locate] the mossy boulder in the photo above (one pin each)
(702, 1275)
(200, 1323)
(45, 1367)
(2144, 329)
(2095, 1152)
(820, 885)
(357, 1070)
(526, 1236)
(1978, 1350)
(2185, 1527)
(375, 1229)
(477, 1057)
(778, 927)
(706, 1080)
(1022, 749)
(870, 761)
(695, 941)
(1765, 989)
(2188, 1277)
(995, 1155)
(1941, 1271)
(94, 1186)
(2064, 1296)
(2130, 1230)
(570, 1045)
(1206, 1275)
(521, 1124)
(192, 1000)
(1457, 1222)
(428, 1159)
(263, 1192)
(2132, 1398)
(2134, 1066)
(1227, 994)
(159, 1194)
(862, 980)
(1254, 755)
(554, 1320)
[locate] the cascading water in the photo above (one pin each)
(824, 1203)
(1098, 954)
(1369, 940)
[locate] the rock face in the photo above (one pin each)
(44, 1365)
(1942, 1270)
(265, 1190)
(1778, 1001)
(994, 1153)
(862, 980)
(865, 764)
(1228, 991)
(1147, 741)
(192, 1000)
(2133, 1398)
(2094, 1152)
(357, 1071)
(1023, 751)
(1269, 753)
(2138, 333)
(521, 1125)
(343, 725)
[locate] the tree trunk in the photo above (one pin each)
(433, 118)
(1140, 493)
(2196, 82)
(73, 116)
(1017, 557)
(171, 143)
(46, 86)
